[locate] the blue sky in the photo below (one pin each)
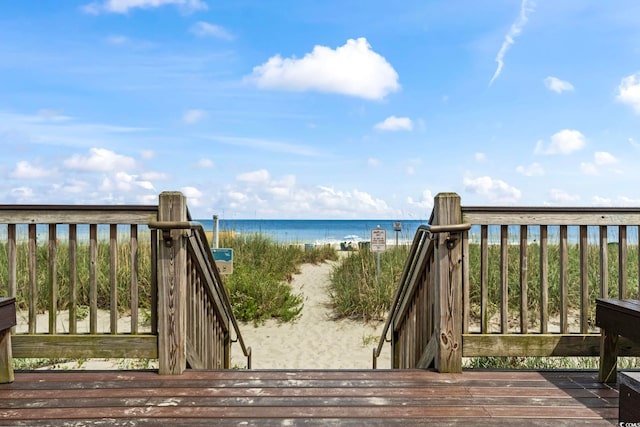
(320, 108)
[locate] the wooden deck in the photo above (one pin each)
(269, 398)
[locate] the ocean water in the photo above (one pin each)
(317, 231)
(335, 231)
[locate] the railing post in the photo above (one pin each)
(172, 283)
(448, 284)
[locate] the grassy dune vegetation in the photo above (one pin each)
(356, 290)
(533, 277)
(83, 275)
(258, 288)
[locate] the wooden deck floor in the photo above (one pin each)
(270, 398)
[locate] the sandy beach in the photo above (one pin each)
(313, 341)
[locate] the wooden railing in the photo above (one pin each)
(79, 270)
(511, 282)
(412, 307)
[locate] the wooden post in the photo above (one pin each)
(448, 284)
(608, 372)
(172, 282)
(7, 321)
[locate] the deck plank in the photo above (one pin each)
(360, 397)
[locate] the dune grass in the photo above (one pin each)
(356, 291)
(83, 274)
(258, 288)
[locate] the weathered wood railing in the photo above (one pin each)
(412, 306)
(73, 266)
(520, 282)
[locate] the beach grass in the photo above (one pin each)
(83, 272)
(357, 291)
(259, 286)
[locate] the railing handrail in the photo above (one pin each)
(422, 233)
(225, 298)
(533, 215)
(198, 228)
(78, 214)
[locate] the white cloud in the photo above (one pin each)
(337, 200)
(480, 157)
(557, 85)
(25, 170)
(205, 29)
(154, 176)
(601, 201)
(425, 202)
(395, 123)
(603, 158)
(205, 163)
(600, 158)
(191, 117)
(629, 91)
(122, 181)
(618, 201)
(100, 160)
(124, 6)
(534, 169)
(282, 189)
(353, 69)
(589, 169)
(628, 201)
(75, 186)
(516, 28)
(147, 154)
(284, 197)
(564, 142)
(255, 177)
(495, 190)
(560, 196)
(22, 194)
(193, 195)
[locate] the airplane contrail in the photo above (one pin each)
(516, 28)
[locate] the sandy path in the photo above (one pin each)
(314, 341)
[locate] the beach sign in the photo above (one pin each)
(378, 239)
(224, 260)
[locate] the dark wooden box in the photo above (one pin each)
(629, 409)
(7, 313)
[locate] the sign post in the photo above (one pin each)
(224, 259)
(397, 227)
(378, 245)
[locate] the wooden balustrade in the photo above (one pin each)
(517, 282)
(70, 266)
(67, 257)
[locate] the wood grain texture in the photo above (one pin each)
(448, 284)
(289, 397)
(172, 275)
